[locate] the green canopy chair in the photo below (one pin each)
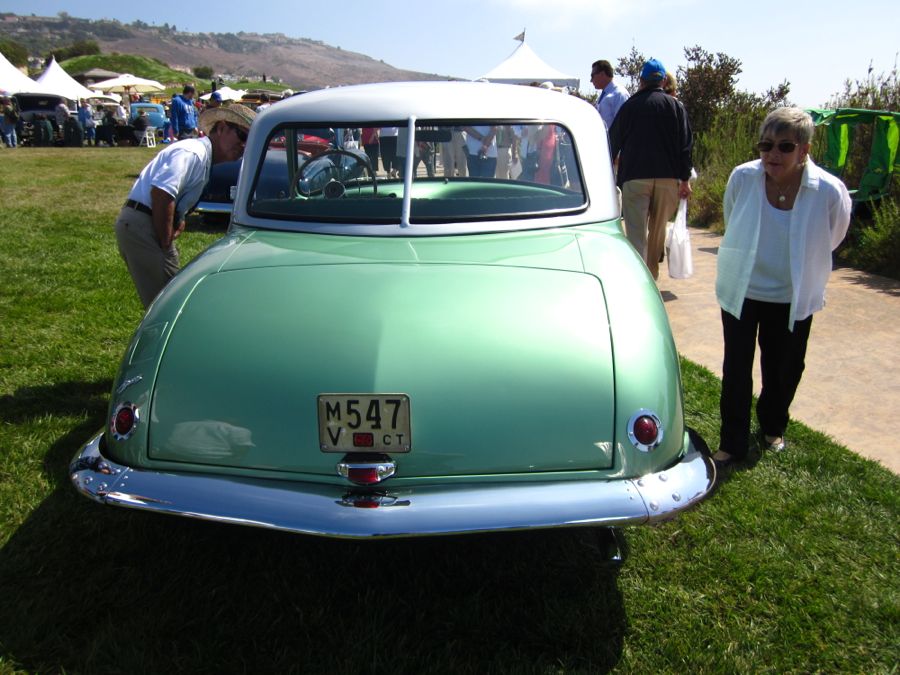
(883, 158)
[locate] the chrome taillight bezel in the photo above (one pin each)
(136, 417)
(638, 444)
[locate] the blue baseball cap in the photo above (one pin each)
(216, 96)
(653, 71)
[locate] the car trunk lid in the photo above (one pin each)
(507, 369)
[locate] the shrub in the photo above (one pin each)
(727, 143)
(875, 246)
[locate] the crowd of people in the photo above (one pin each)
(107, 123)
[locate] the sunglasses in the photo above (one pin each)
(784, 147)
(239, 132)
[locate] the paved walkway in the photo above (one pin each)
(851, 386)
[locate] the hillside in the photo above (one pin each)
(299, 63)
(142, 66)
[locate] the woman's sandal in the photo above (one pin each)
(774, 443)
(723, 459)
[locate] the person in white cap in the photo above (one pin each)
(168, 187)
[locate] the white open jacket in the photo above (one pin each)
(819, 222)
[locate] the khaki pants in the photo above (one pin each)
(647, 205)
(504, 159)
(453, 156)
(150, 266)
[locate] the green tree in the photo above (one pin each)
(80, 48)
(202, 72)
(629, 67)
(881, 92)
(706, 84)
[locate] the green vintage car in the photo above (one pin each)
(472, 346)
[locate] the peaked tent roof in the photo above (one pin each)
(61, 83)
(523, 66)
(14, 81)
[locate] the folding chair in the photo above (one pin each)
(148, 137)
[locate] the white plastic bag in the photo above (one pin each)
(681, 265)
(515, 169)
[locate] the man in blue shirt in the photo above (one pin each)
(184, 114)
(611, 96)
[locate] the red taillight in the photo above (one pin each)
(366, 469)
(646, 430)
(123, 421)
(363, 476)
(366, 504)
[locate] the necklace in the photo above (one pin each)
(782, 194)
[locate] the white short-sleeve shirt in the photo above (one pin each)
(181, 170)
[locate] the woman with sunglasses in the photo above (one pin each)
(783, 218)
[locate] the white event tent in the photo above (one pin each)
(227, 94)
(14, 81)
(58, 81)
(523, 66)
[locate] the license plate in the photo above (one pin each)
(364, 423)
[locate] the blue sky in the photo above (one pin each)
(816, 46)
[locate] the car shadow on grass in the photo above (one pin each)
(89, 588)
(59, 399)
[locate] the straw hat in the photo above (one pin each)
(237, 114)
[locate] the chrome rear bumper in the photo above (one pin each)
(335, 511)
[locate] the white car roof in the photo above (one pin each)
(360, 105)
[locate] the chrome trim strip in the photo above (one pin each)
(433, 509)
(222, 208)
(127, 383)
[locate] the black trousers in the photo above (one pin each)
(782, 359)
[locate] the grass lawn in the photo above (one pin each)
(792, 566)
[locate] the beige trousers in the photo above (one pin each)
(453, 156)
(150, 266)
(647, 205)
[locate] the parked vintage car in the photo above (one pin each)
(362, 356)
(30, 105)
(155, 112)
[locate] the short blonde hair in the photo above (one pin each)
(788, 120)
(670, 84)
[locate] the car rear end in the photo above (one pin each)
(403, 357)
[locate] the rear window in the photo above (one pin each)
(460, 172)
(40, 103)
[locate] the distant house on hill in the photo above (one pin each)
(88, 77)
